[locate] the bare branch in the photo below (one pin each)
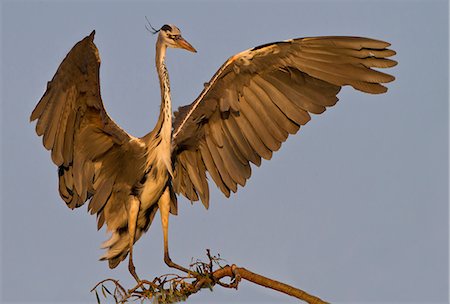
(172, 288)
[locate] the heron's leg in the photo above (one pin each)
(164, 208)
(133, 210)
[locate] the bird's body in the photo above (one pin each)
(250, 106)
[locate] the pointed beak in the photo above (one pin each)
(182, 43)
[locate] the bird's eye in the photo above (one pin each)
(174, 37)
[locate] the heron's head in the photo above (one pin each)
(170, 35)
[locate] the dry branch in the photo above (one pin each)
(173, 288)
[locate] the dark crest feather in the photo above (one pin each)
(152, 30)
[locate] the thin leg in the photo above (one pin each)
(164, 208)
(133, 210)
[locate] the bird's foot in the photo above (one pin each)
(171, 264)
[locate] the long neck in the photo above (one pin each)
(162, 134)
(164, 125)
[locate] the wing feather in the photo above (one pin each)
(260, 96)
(252, 136)
(189, 177)
(194, 172)
(278, 133)
(218, 162)
(95, 157)
(57, 151)
(258, 126)
(279, 117)
(241, 141)
(213, 170)
(235, 168)
(294, 113)
(295, 92)
(101, 196)
(345, 42)
(343, 70)
(234, 146)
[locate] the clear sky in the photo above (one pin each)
(354, 208)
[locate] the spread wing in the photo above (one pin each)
(260, 96)
(96, 158)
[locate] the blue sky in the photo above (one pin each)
(354, 208)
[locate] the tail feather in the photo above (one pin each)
(118, 244)
(118, 247)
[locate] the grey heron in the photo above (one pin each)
(245, 112)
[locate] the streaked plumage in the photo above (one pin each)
(248, 109)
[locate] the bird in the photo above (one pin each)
(251, 105)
